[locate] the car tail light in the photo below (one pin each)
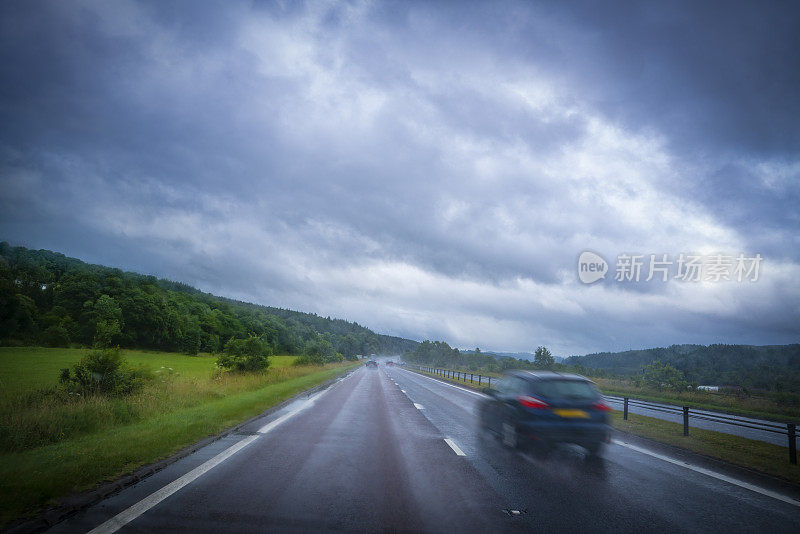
(602, 407)
(532, 402)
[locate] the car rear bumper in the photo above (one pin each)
(580, 434)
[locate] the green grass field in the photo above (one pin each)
(52, 445)
(27, 368)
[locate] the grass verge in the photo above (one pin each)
(746, 406)
(757, 455)
(190, 410)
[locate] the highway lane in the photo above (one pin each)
(369, 454)
(626, 492)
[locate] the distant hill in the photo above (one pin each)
(774, 367)
(49, 299)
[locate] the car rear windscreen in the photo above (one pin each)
(566, 389)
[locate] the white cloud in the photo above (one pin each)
(441, 190)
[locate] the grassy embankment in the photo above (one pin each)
(52, 444)
(757, 455)
(741, 405)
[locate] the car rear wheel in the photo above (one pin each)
(594, 449)
(510, 436)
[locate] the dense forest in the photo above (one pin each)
(772, 367)
(49, 299)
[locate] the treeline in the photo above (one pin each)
(49, 299)
(440, 354)
(771, 368)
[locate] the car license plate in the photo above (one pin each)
(580, 414)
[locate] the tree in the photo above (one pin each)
(543, 359)
(661, 376)
(109, 321)
(56, 336)
(242, 355)
(319, 351)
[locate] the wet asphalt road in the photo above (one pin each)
(369, 455)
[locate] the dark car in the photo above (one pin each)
(372, 363)
(543, 408)
(390, 363)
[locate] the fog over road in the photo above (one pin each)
(391, 450)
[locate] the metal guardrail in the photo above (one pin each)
(457, 375)
(787, 429)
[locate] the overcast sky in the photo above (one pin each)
(430, 170)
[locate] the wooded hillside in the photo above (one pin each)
(49, 299)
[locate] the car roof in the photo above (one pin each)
(548, 375)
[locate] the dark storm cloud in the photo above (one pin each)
(427, 169)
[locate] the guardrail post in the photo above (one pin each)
(685, 420)
(792, 431)
(479, 380)
(625, 410)
(471, 377)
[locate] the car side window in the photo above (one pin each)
(521, 386)
(504, 385)
(512, 386)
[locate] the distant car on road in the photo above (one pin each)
(390, 363)
(372, 363)
(543, 408)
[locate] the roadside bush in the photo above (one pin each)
(785, 398)
(245, 355)
(103, 372)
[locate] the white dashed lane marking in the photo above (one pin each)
(456, 448)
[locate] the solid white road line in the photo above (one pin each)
(456, 448)
(131, 513)
(419, 406)
(450, 385)
(708, 472)
(126, 516)
(402, 390)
